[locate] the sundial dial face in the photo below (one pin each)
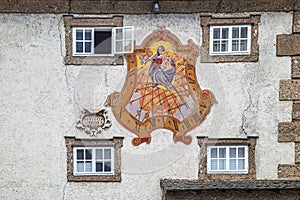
(161, 89)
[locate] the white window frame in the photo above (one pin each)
(230, 39)
(114, 40)
(93, 160)
(227, 158)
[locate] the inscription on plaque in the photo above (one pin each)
(93, 123)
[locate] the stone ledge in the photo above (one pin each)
(296, 67)
(183, 184)
(289, 89)
(296, 25)
(289, 132)
(145, 7)
(289, 171)
(288, 45)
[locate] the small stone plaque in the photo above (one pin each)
(93, 123)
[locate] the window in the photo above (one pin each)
(230, 39)
(227, 159)
(102, 41)
(93, 160)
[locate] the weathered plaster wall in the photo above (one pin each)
(41, 99)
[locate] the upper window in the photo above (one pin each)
(227, 159)
(230, 40)
(102, 41)
(93, 160)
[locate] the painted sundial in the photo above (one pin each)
(161, 89)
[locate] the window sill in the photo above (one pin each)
(94, 60)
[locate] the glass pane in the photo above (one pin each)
(244, 32)
(224, 46)
(225, 33)
(128, 34)
(119, 34)
(107, 153)
(213, 164)
(99, 167)
(79, 154)
(80, 166)
(127, 46)
(88, 34)
(79, 34)
(79, 47)
(213, 152)
(119, 46)
(235, 32)
(232, 164)
(99, 154)
(102, 42)
(216, 33)
(232, 152)
(222, 152)
(241, 164)
(241, 152)
(222, 164)
(88, 166)
(88, 47)
(235, 45)
(88, 154)
(107, 166)
(216, 46)
(244, 45)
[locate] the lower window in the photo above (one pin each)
(94, 159)
(227, 159)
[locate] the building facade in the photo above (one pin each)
(150, 99)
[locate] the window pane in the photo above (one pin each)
(243, 45)
(232, 152)
(213, 152)
(79, 34)
(88, 47)
(222, 152)
(119, 46)
(128, 34)
(213, 164)
(88, 154)
(216, 46)
(79, 47)
(232, 164)
(107, 166)
(107, 153)
(222, 164)
(99, 154)
(224, 33)
(99, 167)
(235, 45)
(88, 166)
(80, 166)
(241, 152)
(241, 164)
(244, 32)
(216, 33)
(224, 46)
(235, 32)
(79, 154)
(88, 34)
(127, 46)
(119, 34)
(102, 42)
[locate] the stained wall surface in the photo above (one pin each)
(41, 99)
